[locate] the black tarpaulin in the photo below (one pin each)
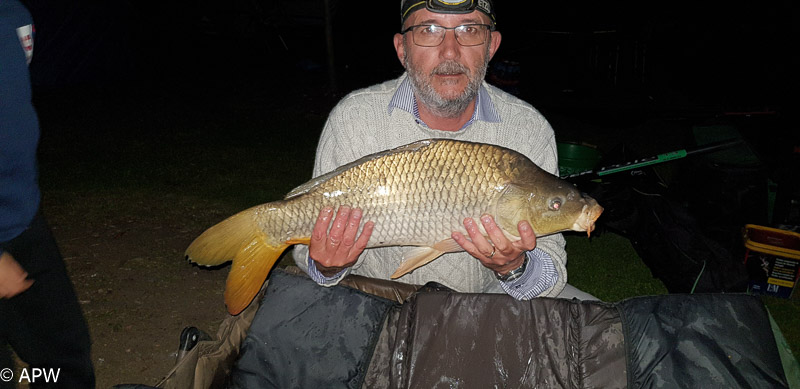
(306, 336)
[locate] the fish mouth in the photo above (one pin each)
(589, 214)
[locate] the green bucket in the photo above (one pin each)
(576, 158)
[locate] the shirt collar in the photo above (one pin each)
(404, 99)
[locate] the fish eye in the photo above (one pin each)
(555, 204)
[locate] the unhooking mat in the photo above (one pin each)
(306, 336)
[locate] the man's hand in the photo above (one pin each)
(339, 248)
(500, 255)
(13, 278)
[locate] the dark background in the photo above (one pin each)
(632, 79)
(732, 55)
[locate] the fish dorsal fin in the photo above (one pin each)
(419, 256)
(314, 182)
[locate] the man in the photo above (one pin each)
(40, 317)
(445, 48)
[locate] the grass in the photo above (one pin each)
(607, 266)
(232, 141)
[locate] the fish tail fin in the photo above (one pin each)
(248, 273)
(237, 238)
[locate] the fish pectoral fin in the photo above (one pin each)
(419, 256)
(248, 272)
(415, 258)
(448, 245)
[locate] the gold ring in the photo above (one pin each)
(492, 254)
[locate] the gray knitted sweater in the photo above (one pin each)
(362, 124)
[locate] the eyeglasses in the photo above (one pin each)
(431, 35)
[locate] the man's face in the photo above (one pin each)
(446, 78)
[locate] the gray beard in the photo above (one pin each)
(445, 106)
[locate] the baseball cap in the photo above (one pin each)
(447, 7)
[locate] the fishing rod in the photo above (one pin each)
(647, 161)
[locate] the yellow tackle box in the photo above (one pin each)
(772, 258)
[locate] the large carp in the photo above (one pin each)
(416, 194)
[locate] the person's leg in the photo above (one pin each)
(6, 362)
(45, 325)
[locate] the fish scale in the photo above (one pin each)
(416, 195)
(435, 194)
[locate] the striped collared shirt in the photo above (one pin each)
(540, 273)
(404, 99)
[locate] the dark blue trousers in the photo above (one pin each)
(45, 325)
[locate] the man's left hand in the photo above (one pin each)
(13, 278)
(497, 252)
